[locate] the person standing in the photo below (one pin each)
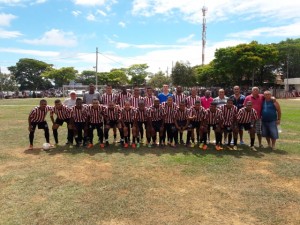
(123, 97)
(92, 94)
(70, 102)
(271, 116)
(221, 99)
(179, 96)
(149, 98)
(190, 100)
(163, 96)
(108, 96)
(206, 100)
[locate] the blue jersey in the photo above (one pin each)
(163, 98)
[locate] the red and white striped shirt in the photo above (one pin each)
(127, 115)
(156, 114)
(179, 98)
(214, 117)
(182, 115)
(229, 114)
(200, 114)
(141, 115)
(135, 101)
(246, 117)
(37, 115)
(149, 101)
(63, 113)
(170, 112)
(112, 114)
(106, 98)
(79, 114)
(122, 98)
(190, 100)
(95, 114)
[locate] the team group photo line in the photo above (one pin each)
(168, 119)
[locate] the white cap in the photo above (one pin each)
(72, 92)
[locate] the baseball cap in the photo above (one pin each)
(72, 92)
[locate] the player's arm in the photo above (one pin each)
(278, 109)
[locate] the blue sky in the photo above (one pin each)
(157, 32)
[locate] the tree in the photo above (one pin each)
(60, 76)
(117, 77)
(183, 74)
(158, 79)
(27, 73)
(206, 75)
(138, 73)
(8, 82)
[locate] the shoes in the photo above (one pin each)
(235, 147)
(242, 142)
(115, 140)
(90, 146)
(218, 148)
(204, 147)
(133, 145)
(138, 145)
(107, 143)
(126, 145)
(30, 147)
(261, 146)
(192, 145)
(173, 145)
(253, 148)
(102, 145)
(201, 145)
(181, 142)
(149, 145)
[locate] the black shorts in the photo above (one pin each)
(40, 125)
(196, 124)
(227, 129)
(181, 123)
(93, 126)
(79, 125)
(111, 123)
(246, 126)
(61, 122)
(140, 125)
(157, 125)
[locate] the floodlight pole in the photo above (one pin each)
(96, 68)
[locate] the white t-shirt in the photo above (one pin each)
(69, 102)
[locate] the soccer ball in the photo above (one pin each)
(46, 146)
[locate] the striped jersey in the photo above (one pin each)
(37, 115)
(229, 114)
(122, 98)
(135, 101)
(79, 114)
(170, 111)
(106, 98)
(156, 114)
(127, 115)
(63, 113)
(141, 115)
(199, 114)
(214, 117)
(95, 114)
(182, 115)
(149, 101)
(179, 98)
(190, 100)
(112, 113)
(246, 117)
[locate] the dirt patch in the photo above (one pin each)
(86, 171)
(9, 166)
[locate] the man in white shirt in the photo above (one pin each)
(70, 102)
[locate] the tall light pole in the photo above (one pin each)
(96, 68)
(204, 9)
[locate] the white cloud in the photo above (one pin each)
(76, 13)
(5, 34)
(30, 52)
(122, 24)
(90, 2)
(292, 30)
(101, 12)
(21, 2)
(219, 10)
(55, 37)
(5, 19)
(91, 17)
(186, 39)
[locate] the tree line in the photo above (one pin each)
(243, 64)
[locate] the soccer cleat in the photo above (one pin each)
(220, 147)
(102, 145)
(133, 145)
(30, 147)
(253, 148)
(217, 147)
(204, 147)
(201, 145)
(125, 145)
(235, 147)
(181, 142)
(115, 140)
(107, 143)
(149, 145)
(242, 142)
(90, 145)
(138, 145)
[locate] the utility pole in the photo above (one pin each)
(204, 9)
(96, 68)
(287, 73)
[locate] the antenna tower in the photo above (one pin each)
(204, 9)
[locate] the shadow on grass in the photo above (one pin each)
(244, 151)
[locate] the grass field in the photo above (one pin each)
(146, 186)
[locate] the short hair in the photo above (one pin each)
(43, 100)
(57, 101)
(78, 99)
(214, 103)
(230, 99)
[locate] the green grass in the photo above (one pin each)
(146, 186)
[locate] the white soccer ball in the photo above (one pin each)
(46, 146)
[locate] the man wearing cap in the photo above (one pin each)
(70, 102)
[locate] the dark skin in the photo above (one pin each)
(42, 106)
(181, 129)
